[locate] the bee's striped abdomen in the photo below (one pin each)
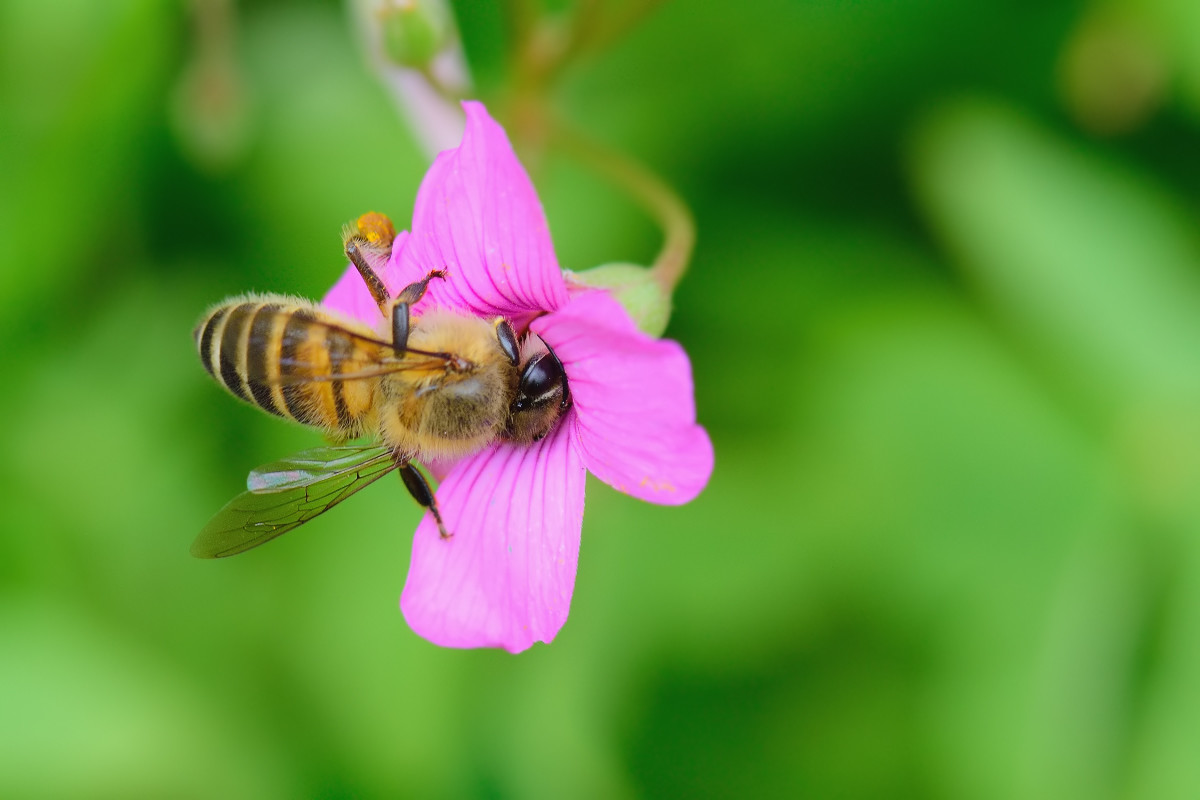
(284, 357)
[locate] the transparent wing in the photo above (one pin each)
(288, 493)
(311, 466)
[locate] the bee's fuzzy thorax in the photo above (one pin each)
(448, 413)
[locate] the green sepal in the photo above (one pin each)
(635, 288)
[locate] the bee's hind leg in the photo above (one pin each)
(407, 298)
(418, 487)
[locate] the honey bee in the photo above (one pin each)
(439, 385)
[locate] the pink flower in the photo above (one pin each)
(506, 576)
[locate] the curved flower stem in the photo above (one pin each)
(654, 195)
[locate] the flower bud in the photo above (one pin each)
(413, 32)
(635, 288)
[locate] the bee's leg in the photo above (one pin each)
(357, 247)
(368, 240)
(407, 298)
(418, 487)
(399, 326)
(412, 293)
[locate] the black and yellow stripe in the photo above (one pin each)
(284, 356)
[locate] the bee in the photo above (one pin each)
(439, 385)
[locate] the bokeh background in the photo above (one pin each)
(944, 315)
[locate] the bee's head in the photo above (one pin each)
(542, 396)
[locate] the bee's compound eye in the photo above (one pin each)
(542, 396)
(543, 376)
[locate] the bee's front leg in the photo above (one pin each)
(407, 298)
(369, 239)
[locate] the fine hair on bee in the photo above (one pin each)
(441, 385)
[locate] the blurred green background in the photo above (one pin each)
(944, 315)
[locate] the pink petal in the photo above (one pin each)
(505, 576)
(349, 295)
(478, 217)
(633, 397)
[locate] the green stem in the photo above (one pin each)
(651, 192)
